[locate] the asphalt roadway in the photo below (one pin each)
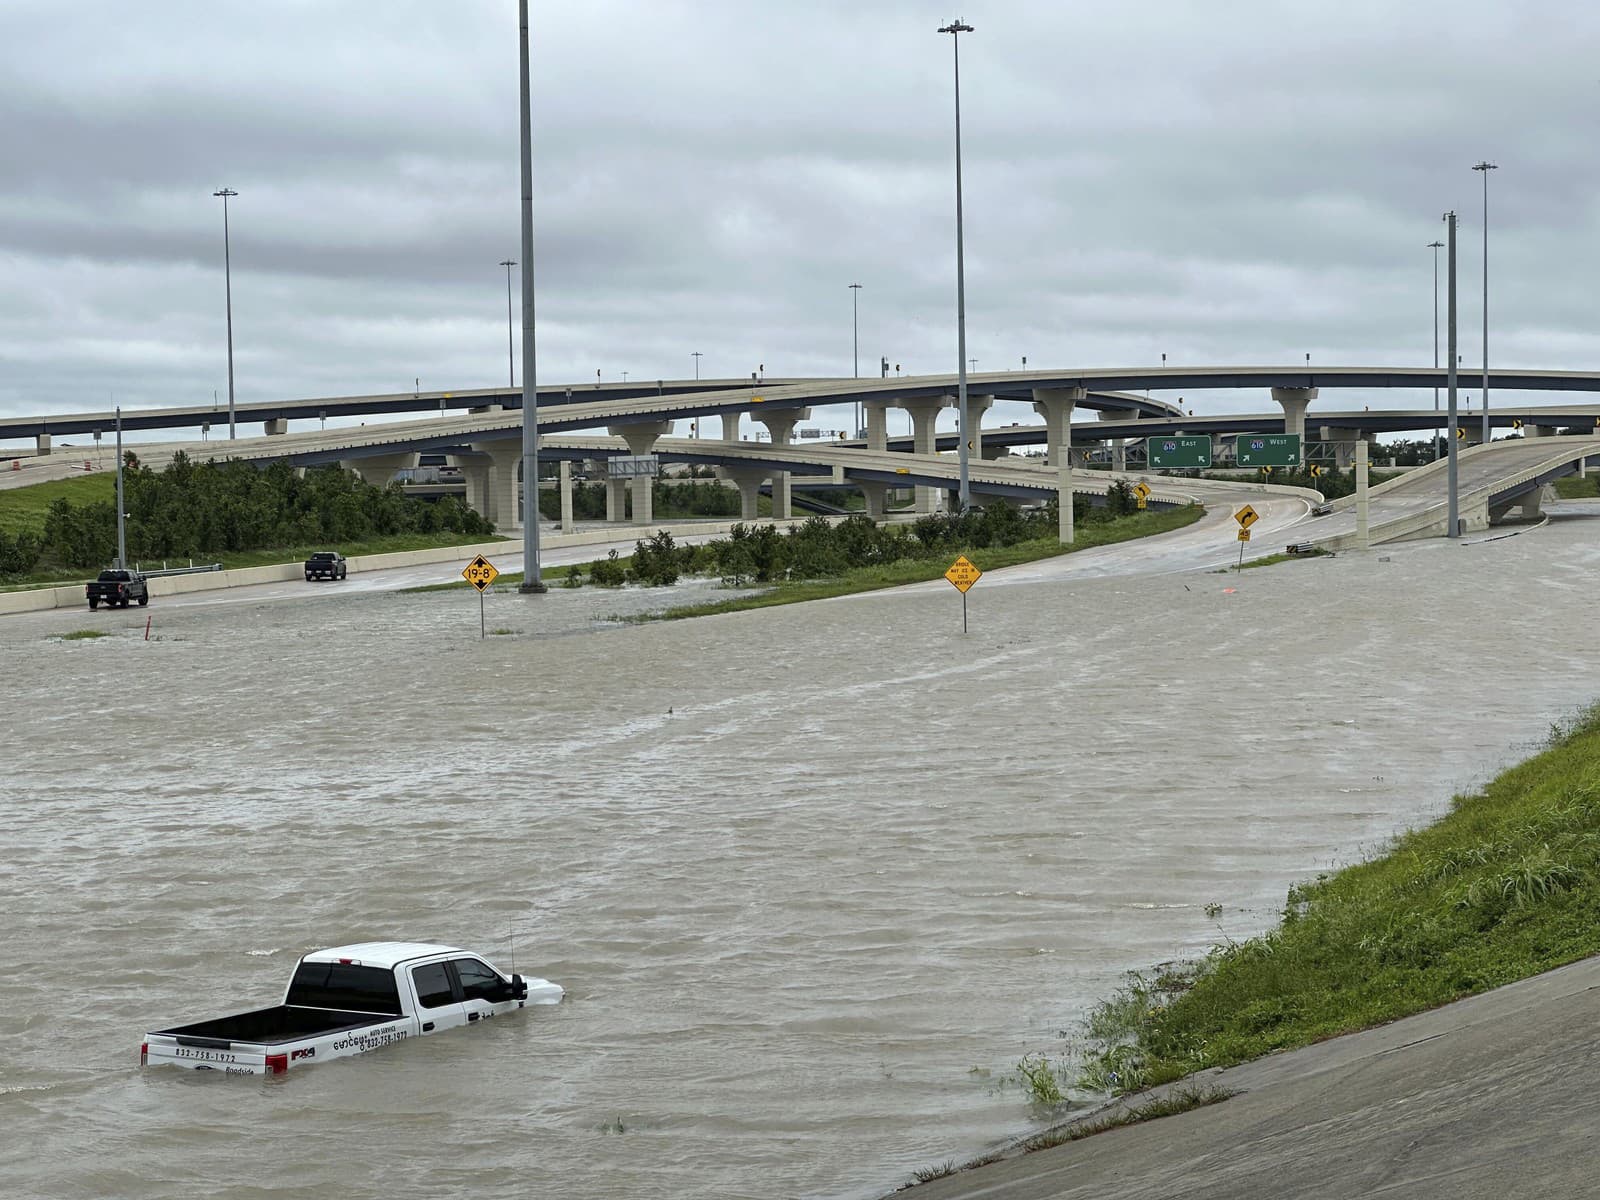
(1493, 1097)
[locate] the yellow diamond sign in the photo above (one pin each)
(1142, 490)
(480, 573)
(963, 574)
(1246, 517)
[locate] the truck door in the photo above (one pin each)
(482, 989)
(438, 1006)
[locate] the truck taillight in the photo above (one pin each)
(144, 1054)
(277, 1064)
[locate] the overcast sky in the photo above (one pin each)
(1228, 182)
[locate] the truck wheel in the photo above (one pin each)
(144, 599)
(93, 604)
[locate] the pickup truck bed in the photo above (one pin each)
(270, 1026)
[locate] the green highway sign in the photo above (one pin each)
(1178, 451)
(1267, 449)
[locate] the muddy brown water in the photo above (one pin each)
(815, 878)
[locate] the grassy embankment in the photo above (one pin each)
(1571, 487)
(23, 510)
(904, 571)
(1505, 886)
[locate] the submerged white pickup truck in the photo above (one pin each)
(346, 1000)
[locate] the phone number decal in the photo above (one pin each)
(204, 1055)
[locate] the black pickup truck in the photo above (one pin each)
(116, 588)
(326, 564)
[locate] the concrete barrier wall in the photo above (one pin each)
(71, 595)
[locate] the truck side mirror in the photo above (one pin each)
(519, 988)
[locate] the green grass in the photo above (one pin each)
(1571, 487)
(1505, 886)
(82, 635)
(897, 574)
(396, 543)
(1273, 559)
(23, 509)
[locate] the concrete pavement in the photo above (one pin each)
(1491, 1098)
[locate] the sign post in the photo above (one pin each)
(1246, 517)
(480, 573)
(963, 574)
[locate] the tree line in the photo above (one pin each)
(191, 510)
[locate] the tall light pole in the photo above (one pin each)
(955, 29)
(1452, 508)
(531, 581)
(1483, 168)
(855, 346)
(695, 354)
(1435, 246)
(511, 360)
(227, 277)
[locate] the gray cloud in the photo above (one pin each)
(1223, 183)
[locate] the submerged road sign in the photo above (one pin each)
(963, 573)
(480, 573)
(1178, 452)
(1267, 449)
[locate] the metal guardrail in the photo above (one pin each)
(191, 569)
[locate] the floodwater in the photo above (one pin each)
(815, 878)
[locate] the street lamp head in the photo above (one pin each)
(225, 192)
(855, 287)
(1435, 245)
(509, 262)
(956, 26)
(1486, 165)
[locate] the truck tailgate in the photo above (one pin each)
(203, 1054)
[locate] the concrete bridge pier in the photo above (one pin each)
(641, 439)
(1118, 446)
(474, 470)
(1055, 406)
(924, 412)
(877, 425)
(41, 444)
(380, 469)
(877, 496)
(1294, 402)
(564, 484)
(275, 427)
(616, 500)
(1344, 445)
(780, 425)
(748, 480)
(1534, 431)
(505, 499)
(976, 407)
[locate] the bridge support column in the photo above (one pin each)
(380, 469)
(780, 427)
(1344, 444)
(475, 471)
(976, 407)
(275, 427)
(41, 444)
(564, 482)
(505, 498)
(727, 425)
(641, 439)
(876, 496)
(924, 412)
(877, 424)
(1534, 431)
(1118, 446)
(1295, 401)
(616, 500)
(1055, 406)
(748, 480)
